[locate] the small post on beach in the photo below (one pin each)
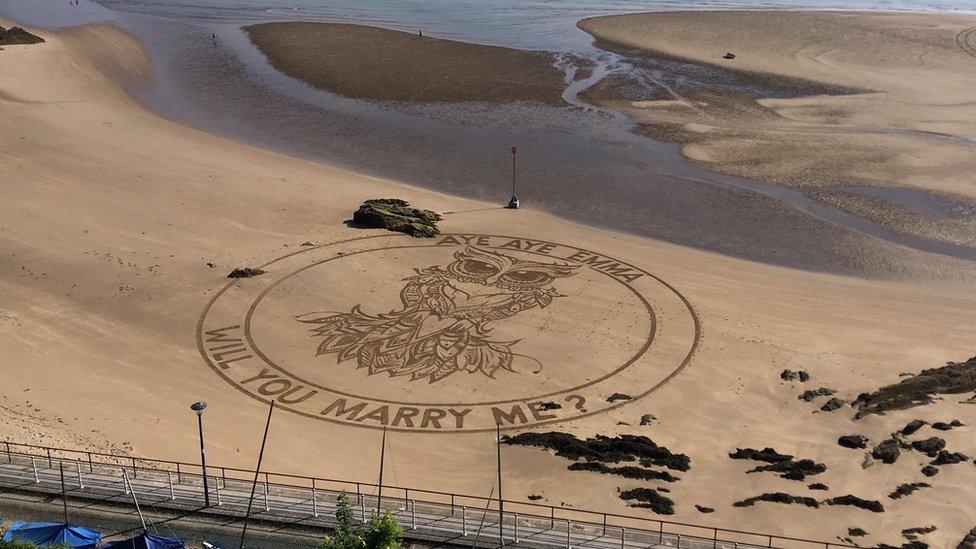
(513, 203)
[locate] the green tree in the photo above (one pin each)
(381, 533)
(348, 532)
(384, 532)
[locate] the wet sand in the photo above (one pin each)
(911, 122)
(386, 65)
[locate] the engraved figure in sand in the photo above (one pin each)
(441, 329)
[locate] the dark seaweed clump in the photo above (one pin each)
(246, 272)
(766, 454)
(792, 470)
(870, 505)
(627, 471)
(953, 378)
(396, 215)
(778, 497)
(811, 394)
(648, 498)
(907, 489)
(605, 449)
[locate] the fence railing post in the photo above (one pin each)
(49, 464)
(135, 473)
(91, 465)
(452, 505)
(552, 517)
(81, 483)
(267, 505)
(315, 506)
(125, 482)
(34, 468)
(362, 507)
(179, 474)
(464, 521)
(604, 524)
(10, 458)
(172, 493)
(217, 486)
(623, 536)
(413, 515)
(569, 525)
(516, 528)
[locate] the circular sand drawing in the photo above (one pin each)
(457, 333)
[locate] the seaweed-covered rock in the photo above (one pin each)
(605, 449)
(17, 35)
(616, 397)
(647, 419)
(811, 394)
(549, 405)
(833, 404)
(870, 505)
(856, 532)
(246, 272)
(930, 446)
(818, 486)
(949, 458)
(943, 426)
(888, 451)
(853, 441)
(396, 215)
(534, 497)
(792, 470)
(953, 378)
(793, 375)
(766, 454)
(627, 471)
(778, 497)
(968, 542)
(907, 489)
(912, 426)
(930, 470)
(649, 499)
(703, 509)
(919, 530)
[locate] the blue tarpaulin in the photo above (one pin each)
(147, 541)
(52, 533)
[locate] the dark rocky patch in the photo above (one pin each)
(604, 449)
(534, 497)
(647, 419)
(778, 497)
(627, 471)
(907, 489)
(833, 405)
(919, 530)
(792, 470)
(394, 214)
(550, 406)
(856, 532)
(953, 378)
(853, 441)
(649, 499)
(869, 505)
(930, 471)
(616, 397)
(791, 375)
(930, 446)
(811, 394)
(968, 542)
(949, 458)
(943, 426)
(888, 451)
(912, 426)
(766, 454)
(17, 35)
(703, 509)
(818, 486)
(246, 272)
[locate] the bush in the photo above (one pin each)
(382, 532)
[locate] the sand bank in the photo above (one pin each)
(374, 63)
(118, 229)
(912, 124)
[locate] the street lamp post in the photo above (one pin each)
(513, 202)
(199, 407)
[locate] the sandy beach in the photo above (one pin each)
(119, 228)
(373, 63)
(907, 121)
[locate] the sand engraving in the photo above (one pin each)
(440, 329)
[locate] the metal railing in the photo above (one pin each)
(427, 514)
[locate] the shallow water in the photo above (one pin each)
(578, 162)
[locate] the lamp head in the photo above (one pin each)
(198, 407)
